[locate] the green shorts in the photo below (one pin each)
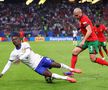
(102, 44)
(21, 38)
(92, 46)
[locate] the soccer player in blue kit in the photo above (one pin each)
(40, 64)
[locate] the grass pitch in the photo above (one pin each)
(20, 77)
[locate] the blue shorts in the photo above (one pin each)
(44, 64)
(74, 38)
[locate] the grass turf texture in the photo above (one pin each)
(20, 77)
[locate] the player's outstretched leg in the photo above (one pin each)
(61, 65)
(47, 73)
(70, 69)
(72, 80)
(73, 63)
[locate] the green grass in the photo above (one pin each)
(20, 77)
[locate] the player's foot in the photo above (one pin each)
(72, 80)
(77, 71)
(68, 73)
(71, 73)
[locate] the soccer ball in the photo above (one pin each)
(48, 79)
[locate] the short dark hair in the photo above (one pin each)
(13, 34)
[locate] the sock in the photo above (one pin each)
(66, 67)
(73, 61)
(57, 76)
(102, 62)
(101, 53)
(106, 51)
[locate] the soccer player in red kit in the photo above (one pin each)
(89, 41)
(100, 29)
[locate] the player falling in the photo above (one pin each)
(40, 64)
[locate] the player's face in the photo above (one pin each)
(16, 40)
(76, 15)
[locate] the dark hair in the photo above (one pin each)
(13, 34)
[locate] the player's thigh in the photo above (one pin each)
(93, 47)
(43, 71)
(44, 65)
(77, 50)
(47, 73)
(55, 65)
(40, 70)
(47, 62)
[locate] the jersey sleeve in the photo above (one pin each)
(27, 51)
(26, 45)
(7, 66)
(84, 22)
(12, 56)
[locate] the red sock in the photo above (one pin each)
(101, 53)
(73, 61)
(102, 62)
(106, 51)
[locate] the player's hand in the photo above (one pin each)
(82, 43)
(1, 75)
(16, 62)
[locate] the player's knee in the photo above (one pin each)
(55, 65)
(47, 73)
(75, 52)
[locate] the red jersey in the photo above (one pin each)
(84, 21)
(21, 34)
(100, 33)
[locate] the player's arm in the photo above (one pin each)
(7, 66)
(88, 33)
(26, 54)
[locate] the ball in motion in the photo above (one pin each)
(48, 79)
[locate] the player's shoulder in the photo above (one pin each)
(25, 43)
(85, 18)
(13, 52)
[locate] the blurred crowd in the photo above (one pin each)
(46, 20)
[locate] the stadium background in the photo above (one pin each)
(53, 19)
(19, 77)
